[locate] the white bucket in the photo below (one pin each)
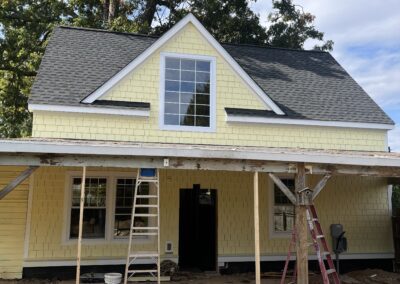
(112, 278)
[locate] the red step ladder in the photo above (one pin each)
(329, 275)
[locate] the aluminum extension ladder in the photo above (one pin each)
(321, 248)
(135, 257)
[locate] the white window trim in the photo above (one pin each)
(272, 233)
(268, 102)
(110, 208)
(213, 93)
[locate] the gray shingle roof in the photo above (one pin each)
(305, 84)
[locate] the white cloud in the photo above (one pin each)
(367, 45)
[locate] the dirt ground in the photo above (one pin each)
(373, 276)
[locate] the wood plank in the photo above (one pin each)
(301, 227)
(226, 164)
(321, 184)
(18, 180)
(283, 188)
(257, 230)
(81, 207)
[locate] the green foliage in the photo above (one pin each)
(25, 26)
(291, 27)
(396, 198)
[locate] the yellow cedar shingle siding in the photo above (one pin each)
(13, 209)
(359, 203)
(142, 85)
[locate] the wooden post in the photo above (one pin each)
(256, 231)
(81, 207)
(302, 229)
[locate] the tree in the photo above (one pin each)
(24, 30)
(25, 26)
(291, 27)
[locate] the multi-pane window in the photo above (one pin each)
(123, 206)
(187, 92)
(94, 214)
(283, 209)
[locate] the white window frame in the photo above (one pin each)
(213, 92)
(272, 233)
(110, 208)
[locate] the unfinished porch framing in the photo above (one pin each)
(298, 162)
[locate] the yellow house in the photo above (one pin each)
(224, 124)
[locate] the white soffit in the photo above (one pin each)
(269, 103)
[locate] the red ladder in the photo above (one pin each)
(321, 248)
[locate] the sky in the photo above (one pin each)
(367, 45)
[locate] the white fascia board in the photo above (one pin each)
(91, 110)
(269, 103)
(197, 152)
(306, 122)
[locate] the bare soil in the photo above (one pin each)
(374, 276)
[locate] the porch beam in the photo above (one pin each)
(321, 184)
(301, 228)
(283, 188)
(69, 160)
(81, 207)
(17, 181)
(256, 230)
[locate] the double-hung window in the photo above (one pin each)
(123, 206)
(94, 215)
(283, 209)
(188, 94)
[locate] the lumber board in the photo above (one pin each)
(17, 181)
(283, 188)
(81, 207)
(257, 229)
(302, 230)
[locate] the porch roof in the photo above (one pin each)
(69, 152)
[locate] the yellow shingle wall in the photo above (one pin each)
(359, 203)
(142, 85)
(13, 209)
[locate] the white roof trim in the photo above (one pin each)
(86, 109)
(126, 149)
(161, 41)
(306, 122)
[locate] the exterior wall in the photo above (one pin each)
(13, 209)
(142, 85)
(359, 203)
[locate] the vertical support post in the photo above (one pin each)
(81, 207)
(256, 231)
(301, 227)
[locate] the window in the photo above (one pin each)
(283, 209)
(123, 206)
(188, 93)
(94, 214)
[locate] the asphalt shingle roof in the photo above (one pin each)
(304, 84)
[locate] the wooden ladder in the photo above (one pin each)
(135, 257)
(321, 248)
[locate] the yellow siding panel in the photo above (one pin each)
(142, 85)
(359, 203)
(13, 209)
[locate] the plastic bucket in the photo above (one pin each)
(112, 278)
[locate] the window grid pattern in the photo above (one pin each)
(187, 92)
(94, 214)
(125, 188)
(284, 211)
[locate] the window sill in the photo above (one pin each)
(187, 128)
(280, 235)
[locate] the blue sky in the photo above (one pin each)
(367, 45)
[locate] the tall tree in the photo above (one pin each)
(24, 29)
(291, 27)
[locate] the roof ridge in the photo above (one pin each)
(222, 43)
(104, 31)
